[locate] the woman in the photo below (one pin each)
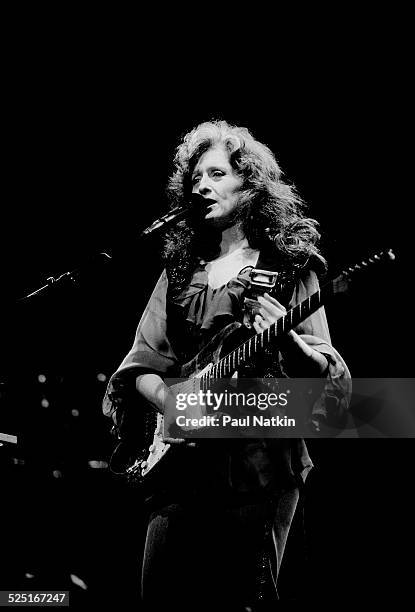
(220, 522)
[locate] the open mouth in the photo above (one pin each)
(208, 207)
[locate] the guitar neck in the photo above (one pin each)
(260, 342)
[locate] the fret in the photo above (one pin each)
(305, 310)
(294, 316)
(315, 301)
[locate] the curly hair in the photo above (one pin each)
(270, 211)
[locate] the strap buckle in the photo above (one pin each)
(261, 281)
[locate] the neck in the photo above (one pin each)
(232, 239)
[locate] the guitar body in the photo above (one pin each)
(150, 460)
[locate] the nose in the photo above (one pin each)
(204, 185)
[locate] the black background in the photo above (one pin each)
(87, 150)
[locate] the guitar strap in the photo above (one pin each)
(271, 277)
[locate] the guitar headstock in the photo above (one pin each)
(341, 283)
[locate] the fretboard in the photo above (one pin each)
(267, 338)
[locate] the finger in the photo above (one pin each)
(257, 327)
(271, 310)
(261, 322)
(258, 324)
(273, 300)
(267, 299)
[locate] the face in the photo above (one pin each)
(215, 180)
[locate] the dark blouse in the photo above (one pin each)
(173, 328)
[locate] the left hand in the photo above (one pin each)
(302, 359)
(271, 310)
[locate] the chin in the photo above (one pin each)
(219, 222)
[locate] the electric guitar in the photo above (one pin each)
(216, 361)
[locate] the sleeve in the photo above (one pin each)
(151, 353)
(330, 408)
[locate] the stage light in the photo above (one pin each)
(44, 403)
(98, 464)
(41, 378)
(101, 377)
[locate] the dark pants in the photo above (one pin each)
(203, 555)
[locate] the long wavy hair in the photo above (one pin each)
(270, 212)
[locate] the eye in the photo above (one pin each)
(217, 173)
(195, 179)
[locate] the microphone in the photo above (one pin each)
(195, 208)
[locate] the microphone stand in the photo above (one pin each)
(72, 276)
(175, 214)
(196, 206)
